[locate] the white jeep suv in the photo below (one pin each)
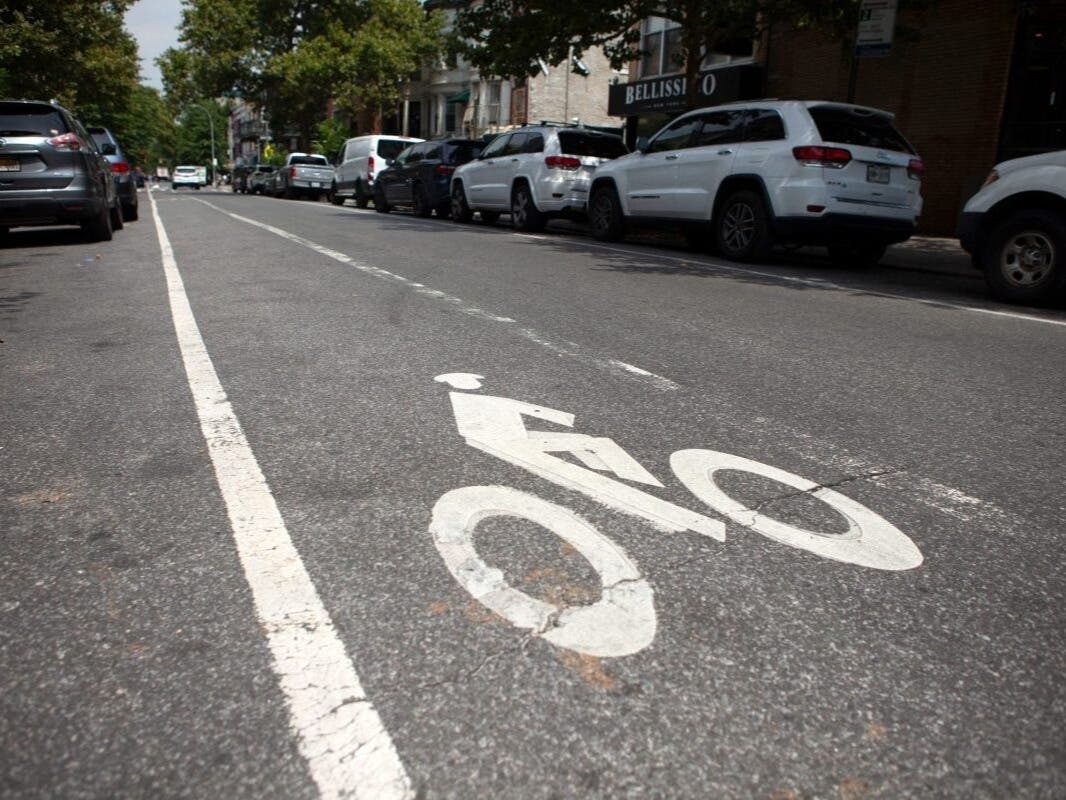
(1015, 229)
(534, 173)
(759, 173)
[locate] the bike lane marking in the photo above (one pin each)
(340, 735)
(569, 349)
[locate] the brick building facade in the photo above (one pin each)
(947, 86)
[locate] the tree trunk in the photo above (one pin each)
(692, 42)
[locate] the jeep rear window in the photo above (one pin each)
(864, 130)
(24, 119)
(390, 148)
(310, 161)
(461, 153)
(576, 143)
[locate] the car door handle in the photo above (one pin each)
(514, 160)
(671, 158)
(724, 152)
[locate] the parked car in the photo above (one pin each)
(194, 177)
(259, 177)
(52, 172)
(534, 173)
(303, 175)
(1015, 229)
(358, 164)
(756, 174)
(125, 183)
(420, 176)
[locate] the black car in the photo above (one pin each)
(421, 175)
(52, 172)
(121, 171)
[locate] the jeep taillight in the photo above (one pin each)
(915, 169)
(443, 169)
(120, 168)
(292, 172)
(818, 156)
(562, 162)
(67, 141)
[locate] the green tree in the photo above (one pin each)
(75, 51)
(145, 128)
(193, 145)
(294, 56)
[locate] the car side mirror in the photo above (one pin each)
(108, 149)
(642, 144)
(390, 162)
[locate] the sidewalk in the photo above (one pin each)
(931, 254)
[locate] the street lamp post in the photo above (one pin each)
(211, 124)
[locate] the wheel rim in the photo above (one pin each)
(1027, 259)
(599, 213)
(519, 210)
(738, 226)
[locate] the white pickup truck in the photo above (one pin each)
(304, 174)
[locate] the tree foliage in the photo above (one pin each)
(193, 139)
(74, 51)
(293, 57)
(508, 38)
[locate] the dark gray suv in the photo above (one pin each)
(121, 171)
(52, 172)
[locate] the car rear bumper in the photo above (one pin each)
(831, 228)
(51, 208)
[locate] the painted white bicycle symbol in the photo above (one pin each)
(623, 620)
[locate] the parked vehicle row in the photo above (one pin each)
(54, 172)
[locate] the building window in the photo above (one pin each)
(449, 117)
(519, 107)
(661, 43)
(494, 103)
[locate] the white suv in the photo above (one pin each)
(760, 173)
(1015, 229)
(533, 173)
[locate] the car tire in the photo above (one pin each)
(857, 254)
(117, 223)
(380, 204)
(524, 212)
(606, 222)
(362, 198)
(130, 212)
(489, 217)
(1024, 258)
(461, 211)
(98, 229)
(420, 201)
(742, 227)
(335, 198)
(444, 210)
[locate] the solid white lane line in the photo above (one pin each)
(348, 751)
(570, 349)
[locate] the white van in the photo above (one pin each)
(360, 160)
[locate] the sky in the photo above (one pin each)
(154, 24)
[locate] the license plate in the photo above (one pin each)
(10, 165)
(878, 173)
(316, 185)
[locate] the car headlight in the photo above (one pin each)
(993, 176)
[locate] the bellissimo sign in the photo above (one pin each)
(667, 93)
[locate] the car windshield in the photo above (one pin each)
(186, 170)
(23, 119)
(310, 161)
(840, 126)
(390, 148)
(583, 143)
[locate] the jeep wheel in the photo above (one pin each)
(98, 229)
(362, 198)
(605, 215)
(524, 213)
(460, 210)
(335, 198)
(117, 223)
(1024, 258)
(742, 232)
(422, 207)
(380, 204)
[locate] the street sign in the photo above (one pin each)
(877, 25)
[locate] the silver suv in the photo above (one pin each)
(534, 173)
(754, 174)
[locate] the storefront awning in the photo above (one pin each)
(459, 97)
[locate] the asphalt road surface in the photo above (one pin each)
(292, 506)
